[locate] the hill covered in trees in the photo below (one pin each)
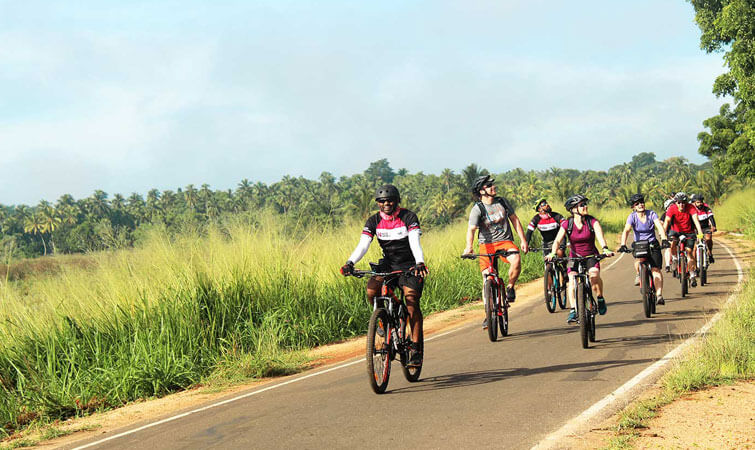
(103, 222)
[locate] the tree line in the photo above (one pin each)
(102, 222)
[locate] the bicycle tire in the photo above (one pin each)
(491, 293)
(683, 275)
(412, 373)
(703, 277)
(378, 354)
(645, 289)
(591, 317)
(562, 288)
(549, 288)
(503, 320)
(583, 320)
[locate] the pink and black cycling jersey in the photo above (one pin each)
(392, 233)
(582, 241)
(705, 216)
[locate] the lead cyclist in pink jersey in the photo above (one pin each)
(582, 230)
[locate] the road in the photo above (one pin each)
(472, 393)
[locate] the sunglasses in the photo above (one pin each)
(582, 205)
(488, 185)
(385, 200)
(638, 203)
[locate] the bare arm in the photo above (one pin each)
(519, 231)
(661, 229)
(557, 241)
(625, 233)
(599, 235)
(697, 224)
(470, 239)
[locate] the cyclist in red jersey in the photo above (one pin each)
(707, 221)
(682, 217)
(397, 231)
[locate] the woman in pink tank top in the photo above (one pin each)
(584, 230)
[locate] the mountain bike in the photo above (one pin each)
(587, 307)
(554, 283)
(641, 251)
(387, 334)
(496, 303)
(703, 261)
(680, 267)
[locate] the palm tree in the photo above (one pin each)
(190, 197)
(35, 224)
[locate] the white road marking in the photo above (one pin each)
(620, 395)
(248, 394)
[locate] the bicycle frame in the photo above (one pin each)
(498, 315)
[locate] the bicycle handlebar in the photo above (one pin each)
(372, 273)
(503, 253)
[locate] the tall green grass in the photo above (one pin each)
(239, 301)
(737, 213)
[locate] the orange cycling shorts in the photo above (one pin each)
(492, 248)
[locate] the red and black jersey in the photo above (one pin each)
(547, 224)
(681, 220)
(705, 216)
(392, 233)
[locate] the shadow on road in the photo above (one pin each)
(460, 380)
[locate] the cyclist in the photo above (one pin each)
(547, 223)
(644, 222)
(667, 251)
(685, 222)
(582, 229)
(707, 221)
(397, 231)
(494, 216)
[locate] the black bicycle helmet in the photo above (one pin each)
(636, 198)
(667, 203)
(540, 202)
(575, 200)
(387, 191)
(680, 197)
(696, 198)
(480, 182)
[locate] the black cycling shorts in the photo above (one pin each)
(406, 279)
(689, 238)
(708, 230)
(547, 246)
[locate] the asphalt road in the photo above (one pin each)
(472, 393)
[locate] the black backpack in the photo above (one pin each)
(499, 200)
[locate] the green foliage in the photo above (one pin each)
(727, 25)
(100, 223)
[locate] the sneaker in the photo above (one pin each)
(712, 259)
(484, 324)
(693, 282)
(660, 300)
(510, 294)
(602, 306)
(572, 316)
(637, 280)
(668, 269)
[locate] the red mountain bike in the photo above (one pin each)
(496, 303)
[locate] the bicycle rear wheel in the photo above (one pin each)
(645, 289)
(562, 279)
(491, 293)
(583, 314)
(549, 288)
(591, 317)
(378, 354)
(411, 373)
(503, 319)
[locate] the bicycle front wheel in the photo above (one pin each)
(491, 309)
(645, 289)
(562, 279)
(549, 288)
(378, 354)
(584, 324)
(503, 319)
(683, 275)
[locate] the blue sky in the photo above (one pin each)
(127, 96)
